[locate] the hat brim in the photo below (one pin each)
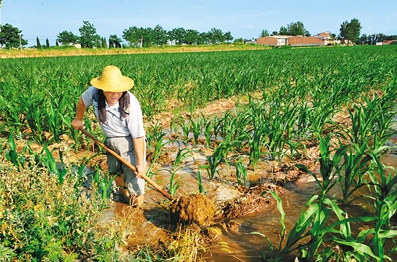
(121, 84)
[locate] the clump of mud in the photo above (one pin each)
(189, 209)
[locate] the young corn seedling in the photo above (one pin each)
(329, 165)
(196, 129)
(297, 233)
(50, 162)
(314, 230)
(12, 155)
(175, 183)
(186, 128)
(104, 183)
(241, 174)
(219, 156)
(200, 184)
(181, 155)
(157, 138)
(355, 166)
(208, 126)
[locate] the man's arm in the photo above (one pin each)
(77, 122)
(140, 153)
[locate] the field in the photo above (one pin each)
(249, 120)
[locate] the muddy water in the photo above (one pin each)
(244, 246)
(238, 242)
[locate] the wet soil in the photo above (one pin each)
(194, 208)
(159, 221)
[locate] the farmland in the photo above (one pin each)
(253, 117)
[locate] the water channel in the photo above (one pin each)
(241, 244)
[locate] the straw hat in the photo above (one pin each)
(112, 80)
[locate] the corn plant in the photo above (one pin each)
(384, 199)
(241, 174)
(186, 129)
(56, 115)
(156, 138)
(174, 183)
(355, 166)
(80, 172)
(313, 229)
(180, 156)
(12, 155)
(52, 165)
(208, 127)
(104, 182)
(220, 155)
(329, 165)
(200, 184)
(195, 129)
(370, 123)
(74, 134)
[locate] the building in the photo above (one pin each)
(388, 42)
(322, 39)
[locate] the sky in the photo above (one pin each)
(246, 19)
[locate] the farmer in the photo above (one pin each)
(120, 117)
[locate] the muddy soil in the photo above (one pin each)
(159, 221)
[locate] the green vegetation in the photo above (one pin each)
(286, 100)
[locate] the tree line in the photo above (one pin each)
(134, 37)
(349, 31)
(12, 37)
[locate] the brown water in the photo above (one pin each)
(245, 246)
(239, 244)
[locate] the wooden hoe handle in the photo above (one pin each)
(125, 162)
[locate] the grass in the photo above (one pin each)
(72, 51)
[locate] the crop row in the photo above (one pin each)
(285, 98)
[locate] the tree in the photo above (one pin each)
(88, 36)
(297, 29)
(67, 38)
(203, 38)
(11, 36)
(283, 31)
(228, 36)
(216, 36)
(177, 35)
(372, 39)
(350, 31)
(159, 36)
(239, 40)
(38, 45)
(47, 43)
(134, 36)
(148, 37)
(191, 37)
(114, 41)
(264, 33)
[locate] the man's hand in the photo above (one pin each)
(77, 124)
(140, 171)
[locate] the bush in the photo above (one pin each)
(43, 220)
